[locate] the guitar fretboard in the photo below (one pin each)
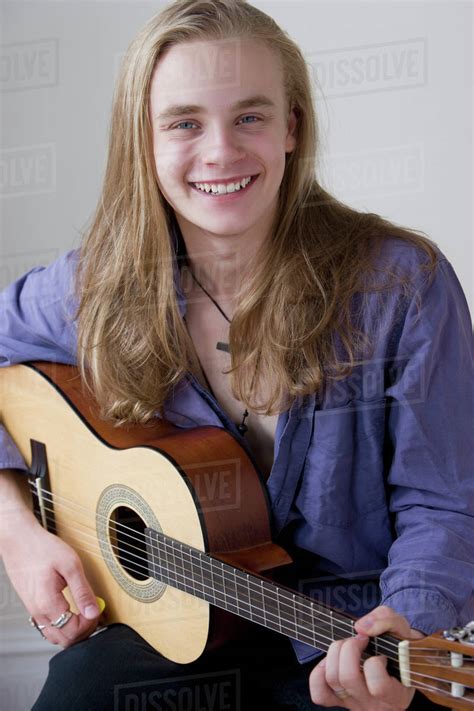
(250, 596)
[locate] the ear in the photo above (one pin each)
(290, 141)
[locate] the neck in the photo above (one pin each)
(221, 263)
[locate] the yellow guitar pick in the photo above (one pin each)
(101, 604)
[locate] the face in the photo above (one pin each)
(219, 116)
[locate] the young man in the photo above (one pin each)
(214, 248)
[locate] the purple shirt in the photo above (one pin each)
(373, 478)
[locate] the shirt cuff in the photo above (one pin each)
(305, 652)
(10, 457)
(426, 610)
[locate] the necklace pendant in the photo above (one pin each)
(222, 347)
(242, 428)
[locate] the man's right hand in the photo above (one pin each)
(40, 565)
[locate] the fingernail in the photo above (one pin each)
(366, 624)
(91, 611)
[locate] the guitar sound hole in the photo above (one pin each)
(127, 533)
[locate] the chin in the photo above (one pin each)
(223, 227)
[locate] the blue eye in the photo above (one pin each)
(192, 122)
(182, 122)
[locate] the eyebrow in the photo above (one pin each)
(180, 109)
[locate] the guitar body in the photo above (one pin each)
(108, 483)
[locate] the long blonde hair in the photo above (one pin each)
(133, 347)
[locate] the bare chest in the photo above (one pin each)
(206, 330)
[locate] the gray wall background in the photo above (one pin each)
(394, 97)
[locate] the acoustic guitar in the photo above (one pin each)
(173, 529)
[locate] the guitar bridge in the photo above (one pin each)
(39, 479)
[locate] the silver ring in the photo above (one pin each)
(62, 620)
(33, 623)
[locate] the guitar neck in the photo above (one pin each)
(251, 596)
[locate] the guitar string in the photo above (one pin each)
(364, 655)
(146, 568)
(116, 527)
(334, 624)
(173, 550)
(328, 638)
(257, 589)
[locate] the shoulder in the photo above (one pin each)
(432, 308)
(413, 261)
(404, 272)
(427, 275)
(410, 286)
(54, 281)
(45, 289)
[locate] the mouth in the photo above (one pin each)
(224, 195)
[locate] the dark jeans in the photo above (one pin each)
(116, 670)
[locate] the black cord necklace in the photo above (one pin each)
(242, 428)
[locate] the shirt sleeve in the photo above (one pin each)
(430, 574)
(37, 323)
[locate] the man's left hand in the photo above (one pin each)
(339, 680)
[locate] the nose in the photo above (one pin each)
(221, 146)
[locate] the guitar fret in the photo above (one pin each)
(217, 584)
(271, 608)
(181, 584)
(313, 631)
(293, 612)
(198, 577)
(167, 563)
(179, 578)
(249, 596)
(299, 620)
(263, 604)
(163, 571)
(166, 573)
(229, 593)
(278, 607)
(303, 620)
(236, 591)
(243, 593)
(207, 595)
(187, 570)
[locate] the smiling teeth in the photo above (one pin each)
(221, 188)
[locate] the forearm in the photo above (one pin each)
(15, 508)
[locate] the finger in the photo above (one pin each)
(51, 605)
(320, 691)
(351, 677)
(81, 591)
(332, 665)
(384, 619)
(384, 687)
(74, 630)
